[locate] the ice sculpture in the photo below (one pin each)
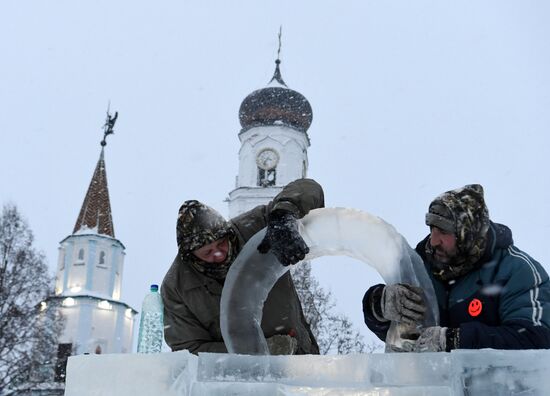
(461, 372)
(329, 231)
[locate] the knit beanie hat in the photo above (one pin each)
(462, 212)
(199, 225)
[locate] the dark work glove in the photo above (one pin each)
(282, 345)
(403, 303)
(438, 339)
(283, 238)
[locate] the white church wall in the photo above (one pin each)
(70, 315)
(290, 144)
(124, 330)
(291, 168)
(91, 322)
(117, 259)
(243, 199)
(63, 262)
(77, 266)
(103, 327)
(246, 176)
(102, 265)
(77, 315)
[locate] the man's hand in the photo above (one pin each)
(403, 303)
(283, 238)
(438, 339)
(432, 339)
(282, 345)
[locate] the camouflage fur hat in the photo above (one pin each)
(462, 212)
(199, 225)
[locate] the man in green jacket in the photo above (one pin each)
(208, 245)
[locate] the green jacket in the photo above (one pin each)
(192, 300)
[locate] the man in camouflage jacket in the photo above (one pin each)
(490, 293)
(208, 245)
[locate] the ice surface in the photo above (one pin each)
(485, 372)
(492, 372)
(327, 231)
(365, 370)
(132, 375)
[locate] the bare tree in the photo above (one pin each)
(28, 332)
(334, 331)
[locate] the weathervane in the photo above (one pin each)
(109, 125)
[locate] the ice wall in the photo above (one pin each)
(461, 372)
(327, 231)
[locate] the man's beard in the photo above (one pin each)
(444, 264)
(444, 258)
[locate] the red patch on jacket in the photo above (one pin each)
(475, 307)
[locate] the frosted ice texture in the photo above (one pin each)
(120, 374)
(461, 372)
(362, 370)
(327, 231)
(151, 326)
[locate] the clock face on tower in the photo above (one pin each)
(267, 159)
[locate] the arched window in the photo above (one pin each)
(80, 258)
(267, 177)
(102, 258)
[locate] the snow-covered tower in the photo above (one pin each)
(89, 276)
(274, 143)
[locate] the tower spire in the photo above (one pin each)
(95, 213)
(277, 75)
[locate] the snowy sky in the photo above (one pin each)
(410, 99)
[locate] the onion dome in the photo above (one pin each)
(276, 105)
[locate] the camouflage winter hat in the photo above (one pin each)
(199, 225)
(462, 212)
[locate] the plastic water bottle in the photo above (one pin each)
(151, 325)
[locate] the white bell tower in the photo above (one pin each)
(274, 143)
(89, 278)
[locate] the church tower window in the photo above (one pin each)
(80, 258)
(102, 258)
(267, 177)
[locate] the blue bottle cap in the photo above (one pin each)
(154, 288)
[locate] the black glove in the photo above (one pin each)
(283, 238)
